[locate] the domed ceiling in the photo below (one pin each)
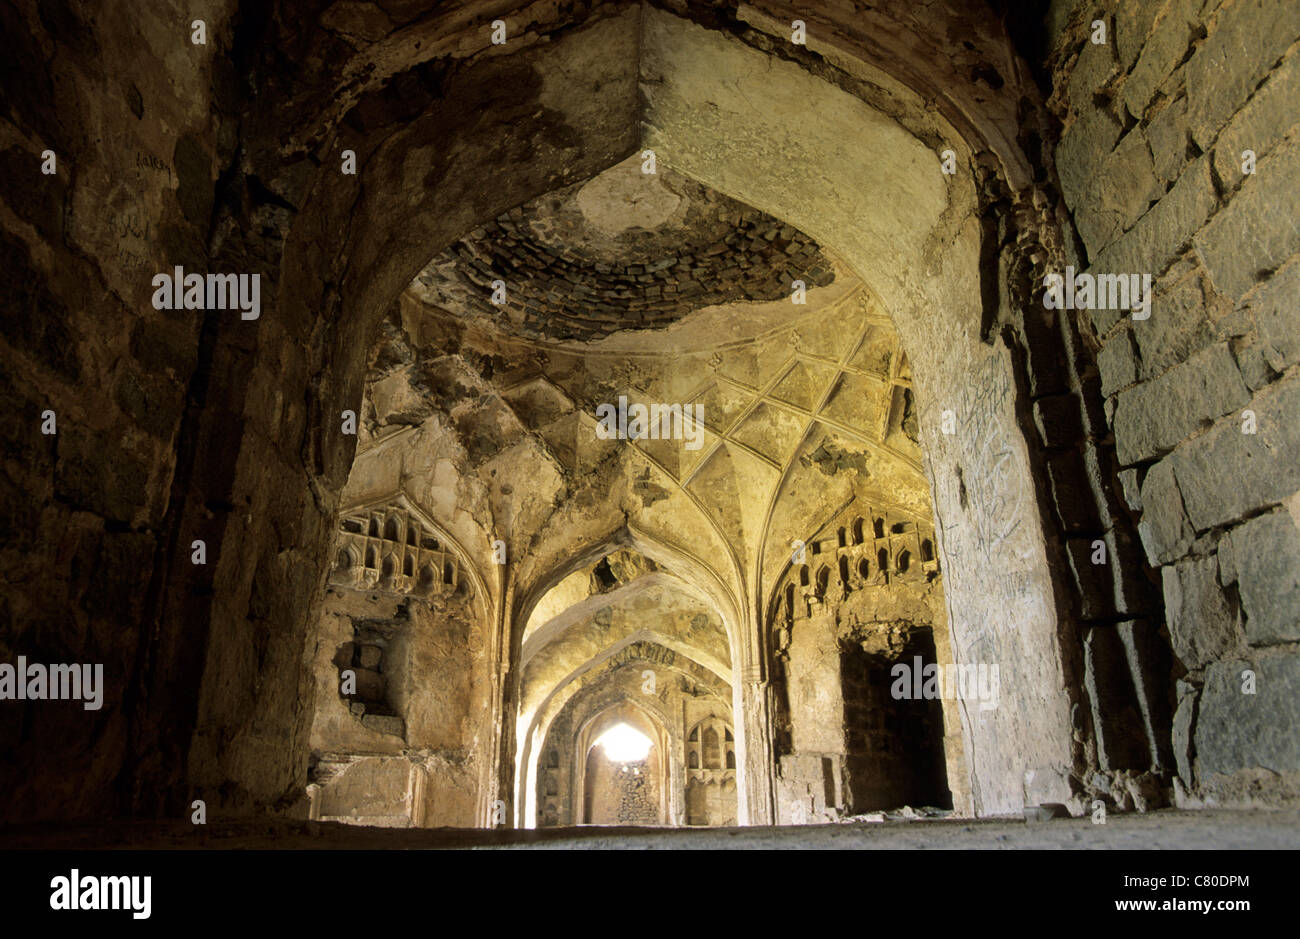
(626, 250)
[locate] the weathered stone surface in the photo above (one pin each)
(1117, 362)
(1262, 467)
(1277, 315)
(624, 555)
(1265, 120)
(383, 724)
(1083, 146)
(1123, 189)
(1236, 730)
(1131, 488)
(622, 268)
(1094, 68)
(1178, 326)
(1249, 37)
(1132, 25)
(1164, 528)
(1133, 592)
(1152, 244)
(1161, 52)
(1152, 418)
(1266, 554)
(1258, 230)
(1203, 625)
(1167, 136)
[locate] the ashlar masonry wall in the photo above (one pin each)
(1179, 158)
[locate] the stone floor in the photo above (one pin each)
(1208, 829)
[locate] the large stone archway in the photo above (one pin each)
(762, 129)
(841, 138)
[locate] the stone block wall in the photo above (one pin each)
(1201, 399)
(136, 121)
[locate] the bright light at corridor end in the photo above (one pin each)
(624, 744)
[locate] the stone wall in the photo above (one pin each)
(622, 794)
(138, 120)
(868, 595)
(1202, 396)
(420, 685)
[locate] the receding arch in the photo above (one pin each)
(884, 201)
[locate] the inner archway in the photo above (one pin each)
(885, 214)
(624, 774)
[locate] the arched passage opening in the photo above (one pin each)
(624, 773)
(624, 627)
(821, 156)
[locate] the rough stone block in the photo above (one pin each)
(1082, 147)
(1255, 361)
(1151, 419)
(1261, 124)
(1167, 137)
(1117, 363)
(1260, 227)
(1178, 326)
(1093, 69)
(1225, 474)
(1249, 37)
(1152, 244)
(1161, 54)
(384, 724)
(1133, 592)
(1203, 625)
(1276, 310)
(1266, 556)
(1133, 22)
(1164, 528)
(1123, 189)
(1235, 730)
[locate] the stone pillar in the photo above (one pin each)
(756, 804)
